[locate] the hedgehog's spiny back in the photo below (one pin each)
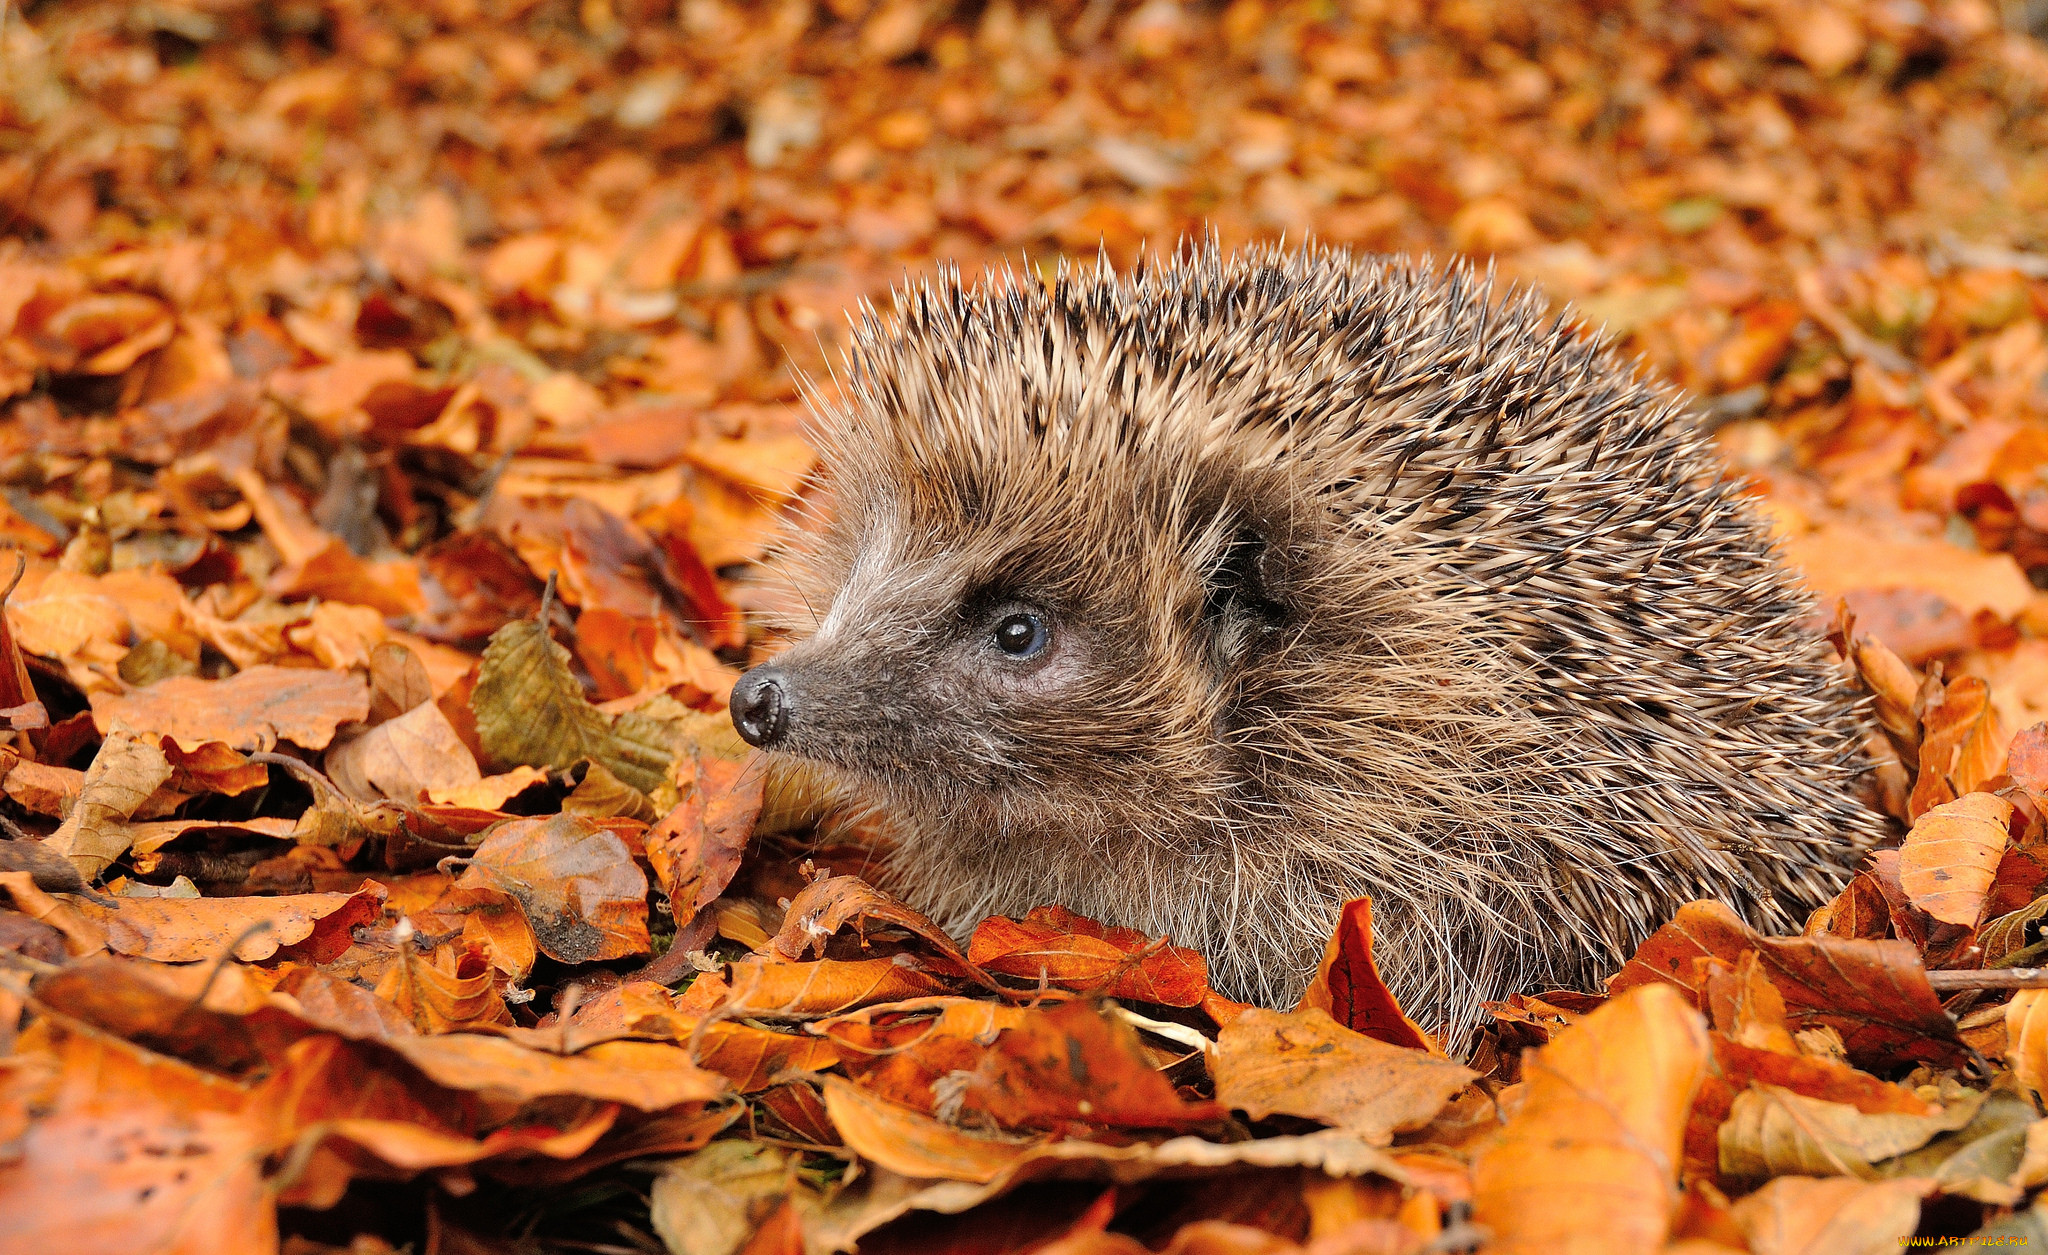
(1542, 658)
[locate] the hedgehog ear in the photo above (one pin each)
(1244, 587)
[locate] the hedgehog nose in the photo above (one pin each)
(760, 707)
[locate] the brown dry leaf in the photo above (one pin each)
(904, 1059)
(212, 768)
(827, 905)
(1774, 1132)
(1303, 1063)
(403, 757)
(1839, 560)
(451, 990)
(343, 1006)
(1073, 1067)
(695, 849)
(2026, 1035)
(182, 930)
(914, 1144)
(1808, 1216)
(491, 792)
(754, 1058)
(491, 920)
(773, 466)
(751, 1057)
(1590, 1157)
(1891, 682)
(49, 870)
(127, 769)
(1963, 745)
(646, 1076)
(890, 1195)
(82, 936)
(39, 788)
(1951, 857)
(829, 986)
(1874, 993)
(712, 1202)
(1066, 951)
(1348, 985)
(1813, 1076)
(602, 795)
(252, 710)
(583, 894)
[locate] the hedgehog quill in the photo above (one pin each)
(1205, 598)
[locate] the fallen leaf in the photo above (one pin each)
(829, 986)
(1809, 1216)
(1347, 984)
(252, 710)
(914, 1144)
(1074, 1067)
(449, 991)
(829, 904)
(711, 1202)
(583, 894)
(695, 849)
(1951, 857)
(1303, 1063)
(127, 769)
(82, 936)
(1593, 1148)
(1774, 1132)
(530, 711)
(402, 758)
(172, 930)
(128, 1150)
(904, 1059)
(1069, 952)
(1874, 993)
(646, 1076)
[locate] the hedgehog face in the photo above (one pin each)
(955, 658)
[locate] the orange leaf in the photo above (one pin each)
(825, 906)
(1073, 1066)
(647, 1076)
(452, 990)
(696, 847)
(583, 894)
(128, 1150)
(1794, 1215)
(828, 986)
(1303, 1063)
(904, 1058)
(1874, 993)
(913, 1144)
(251, 710)
(1348, 984)
(1594, 1146)
(1951, 856)
(182, 930)
(1071, 952)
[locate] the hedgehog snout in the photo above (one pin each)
(761, 707)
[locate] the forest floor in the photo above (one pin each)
(398, 396)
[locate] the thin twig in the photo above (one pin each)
(1990, 978)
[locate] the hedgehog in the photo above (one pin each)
(1208, 597)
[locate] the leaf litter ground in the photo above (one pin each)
(398, 396)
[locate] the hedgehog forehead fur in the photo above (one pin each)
(1358, 580)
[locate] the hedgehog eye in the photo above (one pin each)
(1020, 635)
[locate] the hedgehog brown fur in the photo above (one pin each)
(1352, 580)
